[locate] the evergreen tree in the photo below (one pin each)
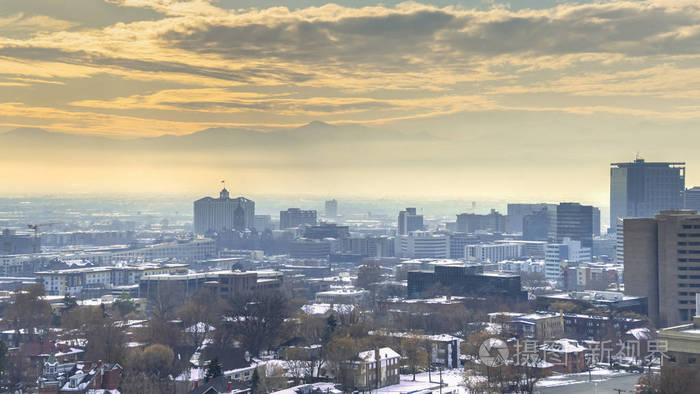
(255, 382)
(214, 369)
(331, 324)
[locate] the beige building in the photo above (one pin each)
(683, 344)
(662, 262)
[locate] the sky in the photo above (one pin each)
(523, 99)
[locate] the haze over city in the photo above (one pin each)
(314, 197)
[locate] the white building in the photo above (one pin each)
(423, 244)
(72, 281)
(518, 266)
(492, 252)
(185, 251)
(350, 296)
(566, 251)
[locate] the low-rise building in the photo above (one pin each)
(374, 369)
(611, 300)
(540, 326)
(226, 284)
(73, 281)
(565, 355)
(683, 344)
(342, 296)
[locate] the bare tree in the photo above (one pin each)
(414, 354)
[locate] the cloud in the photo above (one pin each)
(20, 24)
(374, 64)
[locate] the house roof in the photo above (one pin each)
(219, 385)
(384, 353)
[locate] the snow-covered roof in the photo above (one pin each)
(384, 353)
(640, 334)
(563, 345)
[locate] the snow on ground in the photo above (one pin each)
(451, 378)
(597, 375)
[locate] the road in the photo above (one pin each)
(626, 382)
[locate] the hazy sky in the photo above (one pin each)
(530, 98)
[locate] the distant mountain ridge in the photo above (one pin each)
(215, 138)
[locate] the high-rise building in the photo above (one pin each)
(620, 243)
(691, 198)
(536, 225)
(409, 221)
(295, 217)
(518, 212)
(331, 210)
(471, 222)
(662, 263)
(596, 222)
(575, 221)
(643, 189)
(569, 251)
(223, 213)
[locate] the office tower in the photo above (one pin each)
(295, 217)
(464, 280)
(569, 251)
(223, 213)
(691, 198)
(471, 222)
(331, 210)
(575, 221)
(620, 243)
(409, 221)
(536, 225)
(643, 189)
(517, 212)
(596, 222)
(662, 262)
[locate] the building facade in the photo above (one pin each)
(492, 252)
(331, 209)
(662, 263)
(295, 217)
(491, 222)
(409, 221)
(518, 212)
(643, 189)
(556, 255)
(223, 213)
(575, 221)
(423, 244)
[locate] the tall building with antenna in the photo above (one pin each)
(643, 189)
(223, 213)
